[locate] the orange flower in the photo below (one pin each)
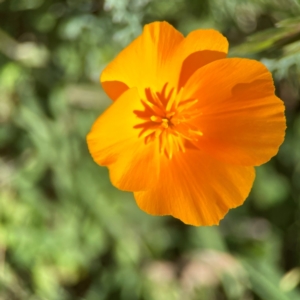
(187, 125)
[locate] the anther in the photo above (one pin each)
(156, 119)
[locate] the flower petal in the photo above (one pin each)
(155, 57)
(196, 189)
(241, 119)
(142, 63)
(114, 142)
(199, 48)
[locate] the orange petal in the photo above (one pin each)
(196, 189)
(157, 55)
(241, 119)
(142, 63)
(113, 142)
(199, 48)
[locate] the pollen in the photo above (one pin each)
(168, 120)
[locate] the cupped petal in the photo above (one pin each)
(196, 189)
(142, 63)
(199, 48)
(241, 119)
(114, 142)
(162, 55)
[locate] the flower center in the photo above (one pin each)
(168, 119)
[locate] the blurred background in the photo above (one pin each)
(65, 232)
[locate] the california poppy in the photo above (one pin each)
(187, 125)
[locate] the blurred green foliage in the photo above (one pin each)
(65, 232)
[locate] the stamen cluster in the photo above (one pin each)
(167, 118)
